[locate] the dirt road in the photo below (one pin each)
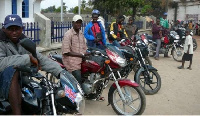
(179, 93)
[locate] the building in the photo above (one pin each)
(184, 11)
(24, 8)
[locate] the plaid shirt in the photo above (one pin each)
(73, 42)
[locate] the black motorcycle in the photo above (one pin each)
(145, 75)
(43, 97)
(174, 44)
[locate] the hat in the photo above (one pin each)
(13, 19)
(165, 13)
(76, 18)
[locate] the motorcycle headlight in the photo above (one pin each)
(121, 61)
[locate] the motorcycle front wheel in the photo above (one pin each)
(134, 104)
(150, 85)
(177, 54)
(137, 65)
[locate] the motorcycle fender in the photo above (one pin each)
(122, 82)
(142, 69)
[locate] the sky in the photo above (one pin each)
(57, 3)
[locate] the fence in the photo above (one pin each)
(58, 30)
(31, 30)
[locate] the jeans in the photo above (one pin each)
(77, 75)
(5, 81)
(91, 43)
(158, 41)
(116, 43)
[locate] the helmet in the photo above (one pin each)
(95, 12)
(165, 14)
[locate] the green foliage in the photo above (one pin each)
(75, 11)
(53, 9)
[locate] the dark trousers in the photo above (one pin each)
(77, 75)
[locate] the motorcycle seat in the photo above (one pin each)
(58, 57)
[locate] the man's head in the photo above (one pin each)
(130, 20)
(157, 21)
(164, 15)
(95, 15)
(120, 19)
(13, 27)
(77, 22)
(187, 32)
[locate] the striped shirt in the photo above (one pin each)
(73, 42)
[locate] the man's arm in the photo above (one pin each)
(112, 31)
(87, 33)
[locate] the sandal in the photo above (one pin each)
(101, 99)
(189, 68)
(180, 67)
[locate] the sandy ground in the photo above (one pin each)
(179, 93)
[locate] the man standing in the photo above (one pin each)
(130, 27)
(74, 48)
(164, 22)
(94, 32)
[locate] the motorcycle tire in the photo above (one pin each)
(153, 86)
(151, 51)
(194, 44)
(136, 96)
(177, 56)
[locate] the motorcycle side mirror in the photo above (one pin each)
(29, 45)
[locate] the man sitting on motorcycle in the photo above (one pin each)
(117, 31)
(12, 55)
(94, 32)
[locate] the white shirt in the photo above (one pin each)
(188, 41)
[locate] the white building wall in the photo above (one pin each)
(189, 8)
(5, 9)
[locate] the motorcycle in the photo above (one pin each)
(145, 75)
(45, 97)
(181, 33)
(171, 41)
(101, 67)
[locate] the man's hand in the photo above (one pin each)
(96, 40)
(33, 60)
(119, 39)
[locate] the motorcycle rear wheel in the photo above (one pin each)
(194, 44)
(177, 56)
(149, 87)
(135, 101)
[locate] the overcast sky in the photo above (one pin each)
(57, 3)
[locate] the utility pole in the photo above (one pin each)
(166, 6)
(61, 12)
(79, 7)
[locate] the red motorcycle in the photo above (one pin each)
(125, 96)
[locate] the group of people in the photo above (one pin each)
(74, 46)
(160, 30)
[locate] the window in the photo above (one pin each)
(14, 6)
(25, 9)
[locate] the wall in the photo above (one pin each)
(45, 30)
(183, 9)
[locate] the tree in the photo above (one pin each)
(54, 9)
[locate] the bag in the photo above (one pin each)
(166, 40)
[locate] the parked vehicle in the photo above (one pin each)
(173, 43)
(125, 96)
(145, 75)
(42, 97)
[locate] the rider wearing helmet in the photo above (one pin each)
(117, 31)
(94, 32)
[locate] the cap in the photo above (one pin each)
(165, 13)
(76, 18)
(13, 19)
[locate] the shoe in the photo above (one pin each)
(101, 99)
(189, 68)
(156, 58)
(180, 67)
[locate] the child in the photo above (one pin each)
(188, 51)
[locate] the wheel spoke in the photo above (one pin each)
(132, 107)
(150, 87)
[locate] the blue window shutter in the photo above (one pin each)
(14, 6)
(25, 9)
